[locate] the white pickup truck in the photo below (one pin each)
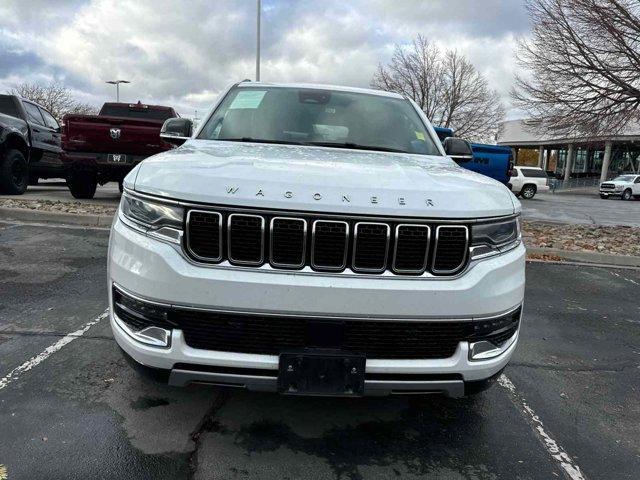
(626, 187)
(316, 240)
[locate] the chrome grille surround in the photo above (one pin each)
(272, 261)
(345, 259)
(330, 268)
(434, 256)
(188, 240)
(356, 268)
(230, 219)
(394, 266)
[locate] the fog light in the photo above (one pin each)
(493, 336)
(484, 350)
(154, 336)
(146, 322)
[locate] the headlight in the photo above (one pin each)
(155, 218)
(496, 237)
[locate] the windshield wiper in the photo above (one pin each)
(261, 140)
(355, 146)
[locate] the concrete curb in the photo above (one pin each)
(40, 216)
(588, 257)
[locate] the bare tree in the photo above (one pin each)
(583, 62)
(448, 88)
(56, 98)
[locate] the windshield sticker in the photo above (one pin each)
(420, 136)
(247, 99)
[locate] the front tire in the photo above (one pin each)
(82, 184)
(528, 192)
(14, 173)
(627, 194)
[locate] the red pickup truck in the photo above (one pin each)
(103, 148)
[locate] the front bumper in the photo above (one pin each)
(157, 271)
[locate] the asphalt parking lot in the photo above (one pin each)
(585, 208)
(70, 407)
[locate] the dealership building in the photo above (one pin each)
(602, 157)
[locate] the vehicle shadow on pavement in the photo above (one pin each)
(254, 435)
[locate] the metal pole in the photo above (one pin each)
(259, 12)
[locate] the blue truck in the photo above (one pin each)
(491, 160)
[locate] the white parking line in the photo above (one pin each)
(41, 357)
(624, 278)
(556, 451)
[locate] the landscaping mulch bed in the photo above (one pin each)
(583, 238)
(79, 208)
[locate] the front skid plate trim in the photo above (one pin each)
(182, 378)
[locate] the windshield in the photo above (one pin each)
(625, 178)
(319, 117)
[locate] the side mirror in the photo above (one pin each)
(458, 149)
(176, 130)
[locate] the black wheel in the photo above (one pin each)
(14, 173)
(627, 194)
(82, 184)
(603, 196)
(528, 192)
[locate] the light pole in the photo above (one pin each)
(259, 13)
(117, 84)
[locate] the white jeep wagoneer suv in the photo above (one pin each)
(316, 240)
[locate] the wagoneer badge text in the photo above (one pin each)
(318, 196)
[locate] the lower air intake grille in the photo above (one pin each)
(274, 334)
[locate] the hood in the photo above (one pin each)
(319, 179)
(616, 182)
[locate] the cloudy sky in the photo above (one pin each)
(182, 53)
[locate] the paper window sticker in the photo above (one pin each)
(247, 99)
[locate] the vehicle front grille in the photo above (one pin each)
(326, 244)
(246, 239)
(274, 334)
(607, 186)
(451, 248)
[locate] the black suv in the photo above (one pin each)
(30, 144)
